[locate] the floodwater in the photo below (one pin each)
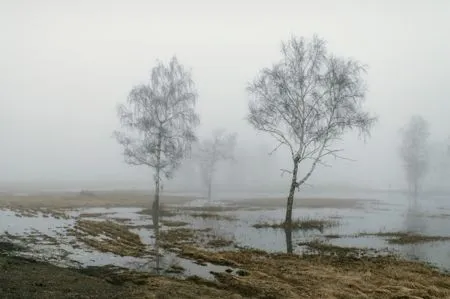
(389, 213)
(65, 250)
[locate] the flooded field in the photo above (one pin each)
(389, 223)
(235, 248)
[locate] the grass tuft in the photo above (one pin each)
(301, 224)
(402, 238)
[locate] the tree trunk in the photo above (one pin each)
(290, 199)
(288, 232)
(155, 205)
(209, 189)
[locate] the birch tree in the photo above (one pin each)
(212, 151)
(307, 101)
(414, 150)
(159, 122)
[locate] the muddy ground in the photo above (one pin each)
(262, 275)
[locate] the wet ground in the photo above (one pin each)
(48, 236)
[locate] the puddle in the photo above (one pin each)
(389, 214)
(69, 252)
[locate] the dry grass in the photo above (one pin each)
(318, 276)
(403, 238)
(325, 249)
(177, 237)
(202, 256)
(93, 215)
(108, 236)
(21, 211)
(163, 212)
(141, 226)
(209, 215)
(337, 203)
(258, 275)
(219, 242)
(77, 200)
(174, 223)
(301, 224)
(332, 236)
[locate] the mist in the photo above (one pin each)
(66, 66)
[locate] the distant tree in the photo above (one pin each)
(307, 101)
(211, 151)
(159, 122)
(414, 151)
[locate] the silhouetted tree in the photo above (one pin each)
(307, 101)
(159, 122)
(211, 151)
(414, 151)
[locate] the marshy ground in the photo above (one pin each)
(103, 249)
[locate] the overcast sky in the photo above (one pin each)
(66, 64)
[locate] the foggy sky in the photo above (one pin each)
(65, 65)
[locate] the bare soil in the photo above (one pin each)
(28, 279)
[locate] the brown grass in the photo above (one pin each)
(163, 212)
(403, 238)
(209, 215)
(77, 200)
(337, 203)
(141, 226)
(258, 275)
(21, 211)
(174, 223)
(318, 276)
(301, 224)
(219, 242)
(325, 249)
(108, 236)
(92, 215)
(177, 237)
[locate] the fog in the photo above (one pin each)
(67, 64)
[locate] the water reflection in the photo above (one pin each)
(157, 239)
(415, 223)
(288, 233)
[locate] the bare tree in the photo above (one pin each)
(220, 147)
(307, 101)
(414, 151)
(159, 120)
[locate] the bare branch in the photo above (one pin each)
(307, 101)
(276, 148)
(159, 120)
(211, 151)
